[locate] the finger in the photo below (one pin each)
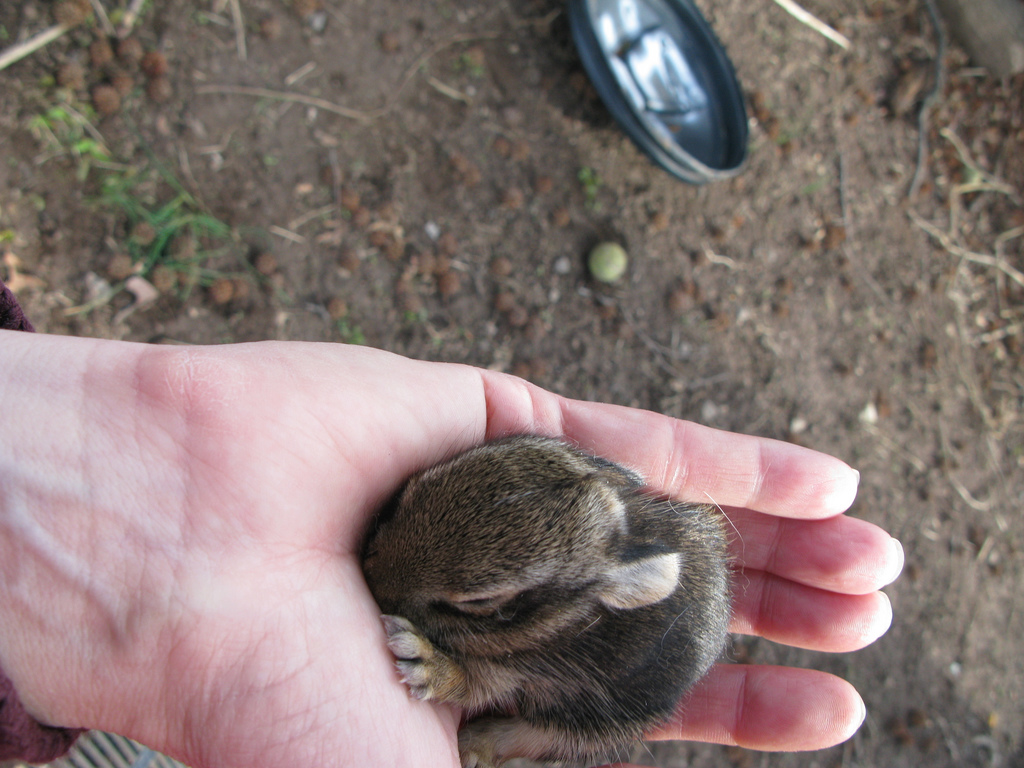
(767, 708)
(805, 617)
(841, 554)
(679, 458)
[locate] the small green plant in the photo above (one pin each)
(177, 235)
(64, 131)
(812, 187)
(414, 317)
(350, 333)
(472, 62)
(591, 184)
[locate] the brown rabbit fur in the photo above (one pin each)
(548, 594)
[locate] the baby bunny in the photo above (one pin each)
(544, 591)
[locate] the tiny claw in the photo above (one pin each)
(396, 624)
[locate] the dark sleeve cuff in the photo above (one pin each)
(21, 736)
(11, 316)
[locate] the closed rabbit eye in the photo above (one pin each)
(481, 604)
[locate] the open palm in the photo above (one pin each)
(227, 619)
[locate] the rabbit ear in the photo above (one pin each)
(637, 583)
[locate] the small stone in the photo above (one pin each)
(337, 308)
(305, 8)
(265, 263)
(869, 414)
(163, 278)
(535, 329)
(459, 162)
(505, 301)
(100, 52)
(513, 198)
(472, 176)
(270, 27)
(349, 260)
(426, 263)
(518, 316)
(130, 50)
(380, 239)
(679, 301)
(607, 262)
(222, 290)
(122, 82)
(143, 233)
(835, 235)
(560, 217)
(520, 151)
(410, 302)
(106, 99)
(447, 244)
(475, 57)
(710, 410)
(241, 287)
(389, 42)
(395, 249)
(154, 64)
(542, 185)
(350, 200)
(317, 21)
(501, 267)
(120, 267)
(562, 265)
(361, 217)
(659, 221)
(442, 264)
(71, 75)
(159, 90)
(449, 284)
(71, 13)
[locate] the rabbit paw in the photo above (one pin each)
(428, 673)
(491, 741)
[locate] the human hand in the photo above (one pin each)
(194, 516)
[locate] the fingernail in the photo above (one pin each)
(900, 560)
(843, 494)
(885, 619)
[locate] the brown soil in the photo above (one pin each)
(446, 219)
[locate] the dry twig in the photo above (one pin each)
(102, 18)
(424, 58)
(130, 17)
(286, 234)
(452, 93)
(18, 52)
(362, 116)
(298, 98)
(814, 23)
(929, 101)
(987, 182)
(236, 18)
(984, 259)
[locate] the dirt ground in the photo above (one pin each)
(427, 177)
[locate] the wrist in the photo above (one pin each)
(67, 411)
